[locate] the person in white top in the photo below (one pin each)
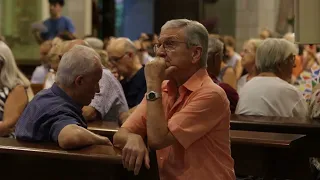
(248, 61)
(269, 93)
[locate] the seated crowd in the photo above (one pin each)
(175, 91)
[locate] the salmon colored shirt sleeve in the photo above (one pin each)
(136, 122)
(182, 124)
(201, 114)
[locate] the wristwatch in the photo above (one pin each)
(152, 96)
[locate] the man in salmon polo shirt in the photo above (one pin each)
(185, 116)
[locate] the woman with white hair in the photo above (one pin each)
(269, 93)
(15, 91)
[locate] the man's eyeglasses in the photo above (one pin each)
(116, 59)
(167, 45)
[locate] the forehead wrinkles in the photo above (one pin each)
(173, 36)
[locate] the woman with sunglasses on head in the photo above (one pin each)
(15, 91)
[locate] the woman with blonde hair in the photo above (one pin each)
(15, 91)
(248, 61)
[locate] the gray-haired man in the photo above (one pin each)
(55, 114)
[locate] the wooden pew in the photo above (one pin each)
(261, 154)
(108, 129)
(103, 128)
(308, 145)
(275, 124)
(269, 155)
(26, 160)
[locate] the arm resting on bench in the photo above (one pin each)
(74, 136)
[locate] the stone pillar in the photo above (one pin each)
(80, 11)
(252, 16)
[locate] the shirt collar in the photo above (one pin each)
(196, 80)
(59, 92)
(192, 84)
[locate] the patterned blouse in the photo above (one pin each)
(4, 93)
(307, 80)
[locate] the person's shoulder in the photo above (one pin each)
(106, 73)
(141, 71)
(209, 88)
(65, 18)
(47, 21)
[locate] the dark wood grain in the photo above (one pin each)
(50, 150)
(35, 160)
(263, 138)
(263, 154)
(275, 124)
(103, 128)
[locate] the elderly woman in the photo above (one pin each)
(215, 55)
(248, 61)
(233, 58)
(15, 91)
(269, 93)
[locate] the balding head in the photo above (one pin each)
(122, 45)
(124, 56)
(80, 70)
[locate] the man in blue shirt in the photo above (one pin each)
(55, 25)
(124, 56)
(55, 114)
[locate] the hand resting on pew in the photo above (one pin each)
(73, 136)
(134, 150)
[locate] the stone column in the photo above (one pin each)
(252, 16)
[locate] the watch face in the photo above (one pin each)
(152, 95)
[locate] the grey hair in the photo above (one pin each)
(79, 60)
(95, 43)
(196, 34)
(272, 52)
(215, 45)
(10, 75)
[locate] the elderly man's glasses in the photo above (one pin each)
(116, 59)
(167, 45)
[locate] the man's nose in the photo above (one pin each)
(161, 52)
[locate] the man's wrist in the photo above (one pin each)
(154, 86)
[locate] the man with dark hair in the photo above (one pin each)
(55, 25)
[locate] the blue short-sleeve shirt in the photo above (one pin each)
(47, 114)
(57, 26)
(135, 88)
